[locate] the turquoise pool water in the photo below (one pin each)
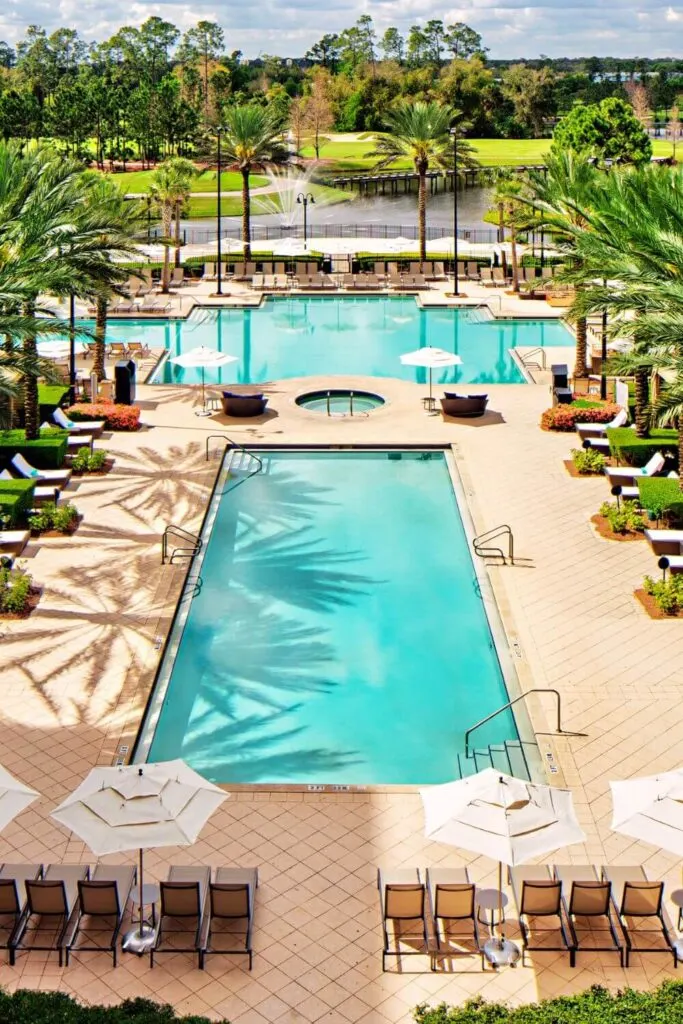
(302, 336)
(339, 635)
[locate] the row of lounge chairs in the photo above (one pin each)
(567, 908)
(67, 909)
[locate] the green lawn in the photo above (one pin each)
(231, 181)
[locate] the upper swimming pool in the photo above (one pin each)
(303, 336)
(338, 634)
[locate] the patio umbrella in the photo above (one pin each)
(504, 818)
(139, 807)
(433, 359)
(14, 797)
(203, 358)
(59, 349)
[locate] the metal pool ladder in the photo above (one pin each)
(483, 547)
(191, 544)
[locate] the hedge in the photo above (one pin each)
(116, 417)
(594, 1006)
(28, 1007)
(636, 451)
(565, 417)
(661, 497)
(48, 452)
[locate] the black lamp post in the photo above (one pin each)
(454, 136)
(603, 375)
(219, 276)
(304, 198)
(72, 348)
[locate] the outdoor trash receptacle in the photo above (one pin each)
(124, 382)
(562, 396)
(560, 375)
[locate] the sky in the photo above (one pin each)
(287, 28)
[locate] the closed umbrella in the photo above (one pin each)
(431, 358)
(139, 807)
(203, 358)
(504, 818)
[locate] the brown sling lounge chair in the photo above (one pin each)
(183, 906)
(452, 903)
(638, 904)
(102, 901)
(13, 901)
(403, 900)
(51, 906)
(588, 909)
(538, 897)
(231, 901)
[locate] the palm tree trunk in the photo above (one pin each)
(177, 235)
(30, 385)
(642, 378)
(680, 452)
(422, 217)
(246, 214)
(513, 258)
(100, 335)
(166, 218)
(580, 369)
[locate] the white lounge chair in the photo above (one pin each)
(599, 429)
(601, 444)
(675, 562)
(73, 441)
(29, 472)
(14, 540)
(627, 475)
(50, 493)
(75, 426)
(665, 542)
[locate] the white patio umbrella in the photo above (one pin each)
(139, 807)
(14, 797)
(504, 818)
(59, 349)
(433, 359)
(203, 358)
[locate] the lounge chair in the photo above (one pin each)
(137, 348)
(463, 406)
(438, 273)
(267, 268)
(38, 494)
(29, 472)
(117, 349)
(403, 902)
(102, 901)
(529, 275)
(231, 900)
(183, 908)
(487, 277)
(395, 280)
(380, 269)
(462, 271)
(538, 896)
(51, 901)
(280, 282)
(498, 275)
(419, 282)
(155, 306)
(665, 542)
(178, 277)
(77, 426)
(636, 899)
(348, 282)
(74, 441)
(585, 430)
(13, 541)
(452, 902)
(279, 268)
(243, 406)
(209, 273)
(587, 898)
(258, 282)
(312, 268)
(124, 306)
(473, 271)
(627, 475)
(546, 273)
(13, 905)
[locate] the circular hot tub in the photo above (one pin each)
(340, 402)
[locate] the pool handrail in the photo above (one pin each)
(233, 444)
(505, 707)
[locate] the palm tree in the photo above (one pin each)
(421, 132)
(170, 188)
(668, 412)
(508, 197)
(251, 137)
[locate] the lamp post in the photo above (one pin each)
(603, 375)
(219, 276)
(304, 198)
(454, 136)
(72, 348)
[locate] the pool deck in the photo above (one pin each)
(76, 675)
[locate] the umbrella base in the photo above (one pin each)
(502, 952)
(139, 939)
(678, 949)
(202, 412)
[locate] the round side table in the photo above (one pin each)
(142, 935)
(499, 952)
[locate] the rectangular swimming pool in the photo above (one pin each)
(338, 636)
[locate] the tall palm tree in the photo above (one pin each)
(421, 132)
(170, 187)
(251, 137)
(509, 198)
(668, 411)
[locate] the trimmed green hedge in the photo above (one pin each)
(16, 498)
(636, 451)
(594, 1006)
(48, 452)
(662, 497)
(28, 1007)
(50, 396)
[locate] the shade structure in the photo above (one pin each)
(139, 807)
(433, 359)
(504, 818)
(14, 797)
(651, 809)
(203, 358)
(59, 349)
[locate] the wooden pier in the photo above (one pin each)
(395, 183)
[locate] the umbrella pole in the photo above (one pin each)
(142, 935)
(499, 951)
(140, 883)
(500, 902)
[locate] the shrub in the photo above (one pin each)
(588, 460)
(593, 1006)
(30, 1007)
(16, 498)
(86, 461)
(623, 518)
(54, 517)
(15, 588)
(636, 451)
(47, 452)
(116, 417)
(668, 593)
(565, 417)
(662, 497)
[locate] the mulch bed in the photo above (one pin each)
(59, 533)
(652, 608)
(33, 599)
(603, 527)
(573, 471)
(107, 468)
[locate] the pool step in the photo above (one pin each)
(241, 463)
(508, 757)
